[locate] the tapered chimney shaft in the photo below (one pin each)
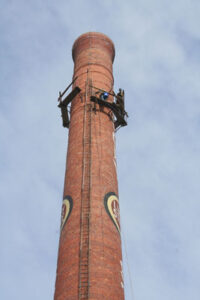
(89, 258)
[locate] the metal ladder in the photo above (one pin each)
(85, 204)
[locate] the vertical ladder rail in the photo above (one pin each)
(85, 202)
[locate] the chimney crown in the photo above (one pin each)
(93, 40)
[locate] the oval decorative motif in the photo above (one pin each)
(111, 204)
(66, 210)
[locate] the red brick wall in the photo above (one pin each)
(90, 242)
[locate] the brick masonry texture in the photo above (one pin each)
(90, 175)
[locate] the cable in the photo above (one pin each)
(127, 263)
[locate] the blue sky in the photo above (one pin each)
(158, 64)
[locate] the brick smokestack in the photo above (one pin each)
(89, 258)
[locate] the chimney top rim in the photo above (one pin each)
(97, 35)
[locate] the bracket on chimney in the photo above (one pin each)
(63, 104)
(117, 106)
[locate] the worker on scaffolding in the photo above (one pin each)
(120, 101)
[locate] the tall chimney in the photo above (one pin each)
(89, 258)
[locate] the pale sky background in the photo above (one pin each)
(158, 64)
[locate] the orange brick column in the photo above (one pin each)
(89, 258)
